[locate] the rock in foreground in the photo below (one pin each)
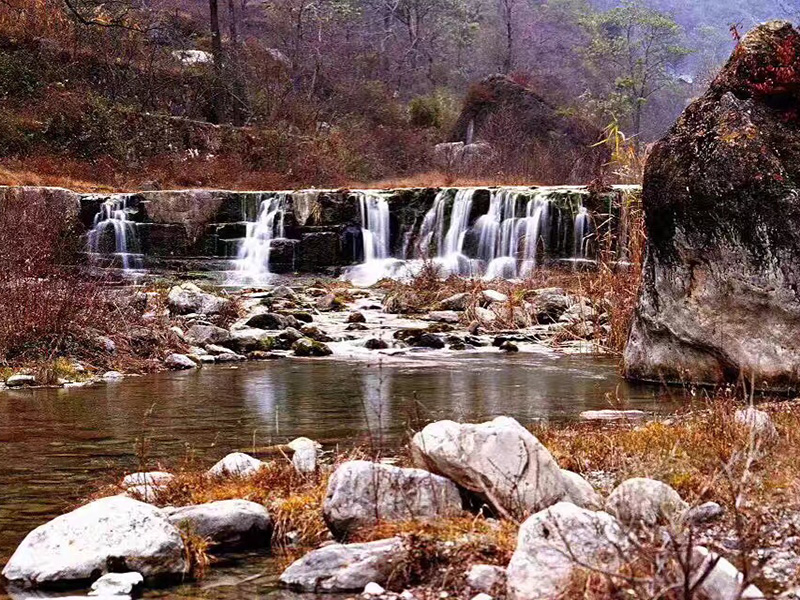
(362, 493)
(345, 568)
(110, 534)
(719, 298)
(500, 460)
(227, 523)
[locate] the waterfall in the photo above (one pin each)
(535, 226)
(374, 225)
(113, 215)
(449, 247)
(252, 262)
(581, 232)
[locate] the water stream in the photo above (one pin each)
(112, 218)
(58, 445)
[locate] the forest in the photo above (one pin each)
(238, 93)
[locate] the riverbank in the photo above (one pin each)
(733, 469)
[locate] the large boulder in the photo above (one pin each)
(645, 502)
(554, 543)
(721, 197)
(236, 464)
(500, 460)
(362, 493)
(226, 524)
(110, 534)
(345, 567)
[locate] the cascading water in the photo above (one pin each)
(374, 225)
(113, 215)
(581, 233)
(252, 263)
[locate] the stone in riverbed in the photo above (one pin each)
(110, 534)
(362, 493)
(117, 584)
(552, 543)
(356, 317)
(444, 316)
(247, 339)
(612, 415)
(227, 524)
(179, 361)
(305, 454)
(236, 464)
(187, 298)
(345, 567)
(20, 380)
(308, 347)
(500, 460)
(376, 344)
(458, 302)
(151, 478)
(272, 321)
(491, 296)
(645, 502)
(719, 300)
(489, 579)
(200, 335)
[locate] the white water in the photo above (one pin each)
(581, 233)
(113, 214)
(375, 232)
(252, 263)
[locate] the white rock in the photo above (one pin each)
(116, 584)
(373, 589)
(305, 454)
(19, 380)
(345, 568)
(641, 501)
(187, 298)
(722, 580)
(226, 523)
(486, 578)
(757, 420)
(444, 316)
(179, 361)
(553, 543)
(455, 302)
(112, 375)
(407, 595)
(485, 315)
(201, 335)
(482, 596)
(708, 511)
(580, 492)
(362, 493)
(492, 296)
(236, 464)
(500, 460)
(612, 415)
(115, 532)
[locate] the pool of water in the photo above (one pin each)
(57, 445)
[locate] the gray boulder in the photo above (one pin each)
(458, 302)
(200, 335)
(179, 361)
(236, 464)
(758, 421)
(580, 492)
(489, 579)
(362, 493)
(305, 454)
(151, 478)
(187, 298)
(345, 568)
(500, 460)
(110, 534)
(554, 543)
(247, 339)
(717, 579)
(641, 501)
(226, 524)
(20, 380)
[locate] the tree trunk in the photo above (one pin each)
(239, 92)
(218, 100)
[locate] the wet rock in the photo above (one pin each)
(719, 297)
(758, 421)
(708, 511)
(356, 317)
(444, 316)
(500, 460)
(362, 493)
(20, 380)
(271, 321)
(485, 315)
(117, 584)
(315, 333)
(548, 304)
(261, 355)
(457, 302)
(489, 579)
(580, 492)
(345, 568)
(226, 357)
(285, 339)
(307, 347)
(429, 340)
(640, 501)
(236, 464)
(488, 297)
(356, 327)
(305, 455)
(110, 534)
(179, 361)
(398, 304)
(327, 302)
(303, 317)
(200, 335)
(376, 344)
(552, 543)
(508, 346)
(227, 524)
(283, 291)
(112, 375)
(612, 415)
(718, 579)
(188, 298)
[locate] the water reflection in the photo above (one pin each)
(56, 445)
